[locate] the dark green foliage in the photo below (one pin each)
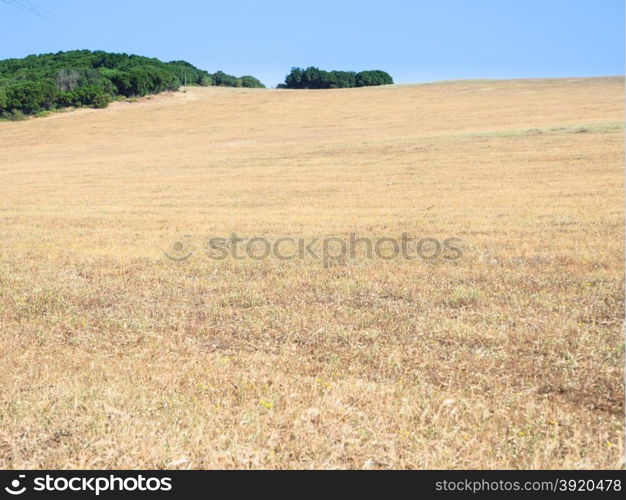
(221, 79)
(294, 79)
(251, 82)
(3, 101)
(315, 78)
(188, 74)
(30, 96)
(84, 78)
(102, 101)
(373, 78)
(205, 81)
(343, 79)
(84, 96)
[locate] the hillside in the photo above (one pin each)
(42, 83)
(113, 356)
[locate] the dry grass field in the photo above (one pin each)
(113, 356)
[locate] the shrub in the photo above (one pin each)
(251, 82)
(85, 96)
(221, 79)
(102, 101)
(15, 116)
(30, 97)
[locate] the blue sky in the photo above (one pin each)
(416, 41)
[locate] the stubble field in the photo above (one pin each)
(113, 356)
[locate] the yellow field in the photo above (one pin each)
(113, 356)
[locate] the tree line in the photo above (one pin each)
(315, 78)
(84, 78)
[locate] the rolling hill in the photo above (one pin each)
(114, 356)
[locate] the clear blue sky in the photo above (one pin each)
(416, 41)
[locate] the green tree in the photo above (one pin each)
(294, 79)
(79, 77)
(251, 82)
(3, 101)
(221, 79)
(315, 78)
(205, 80)
(373, 78)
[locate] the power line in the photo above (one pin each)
(28, 6)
